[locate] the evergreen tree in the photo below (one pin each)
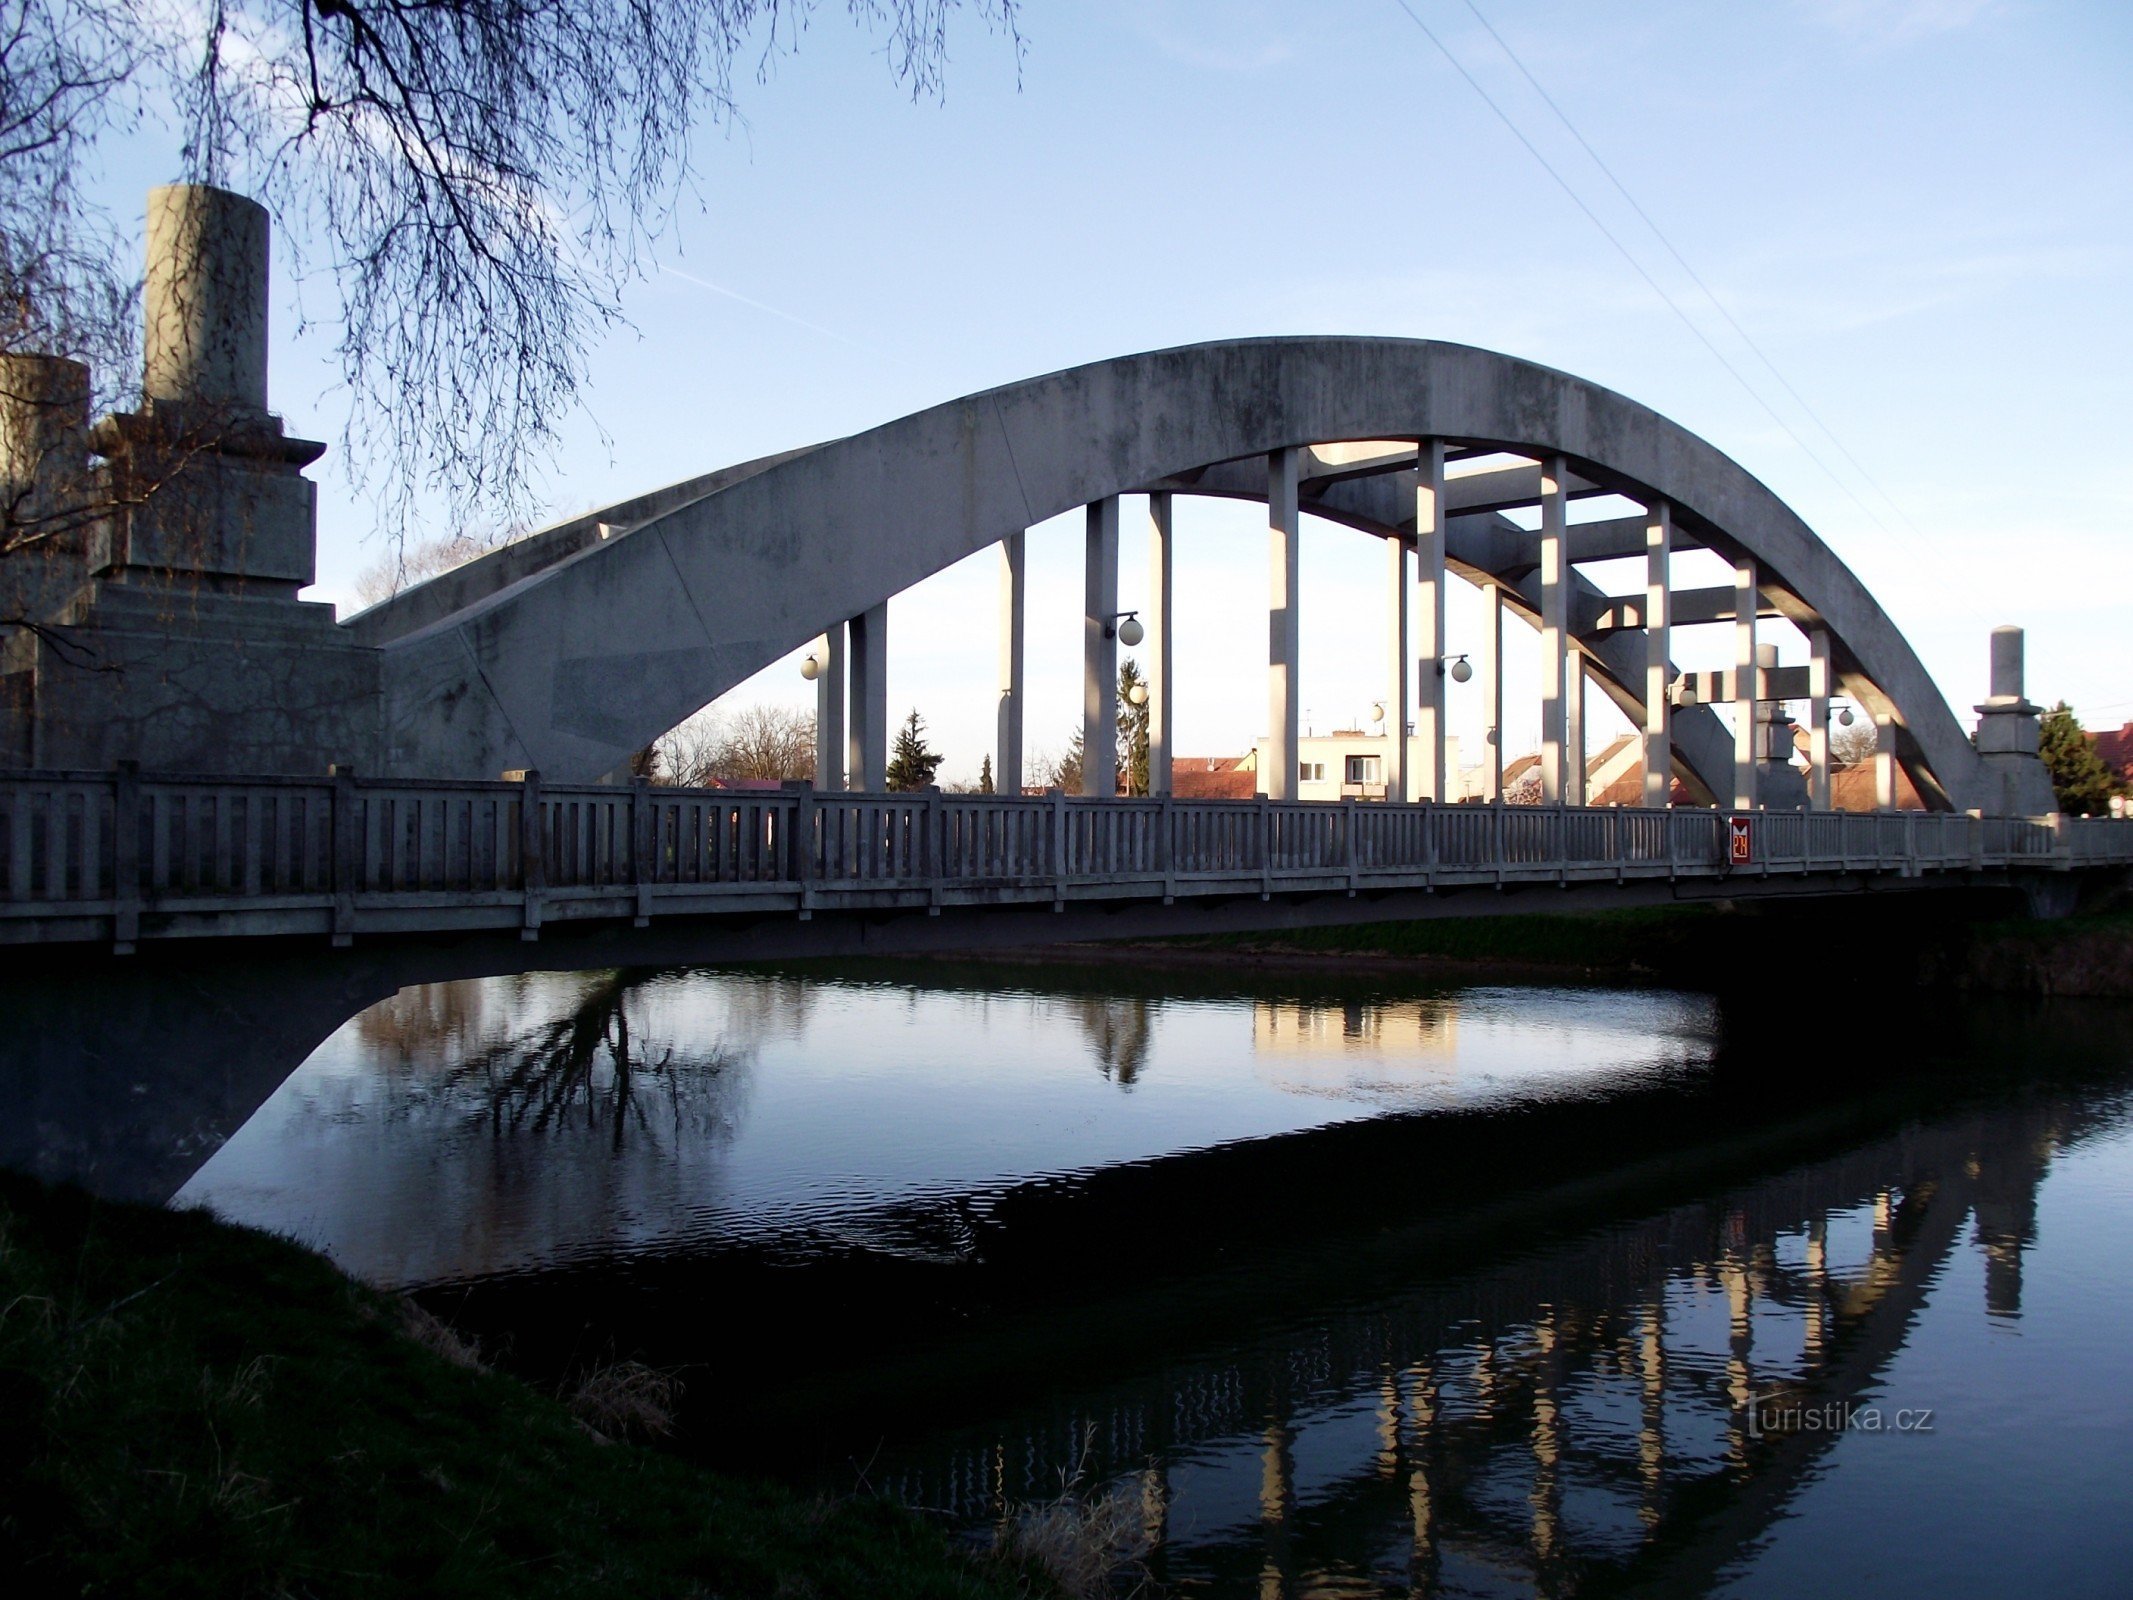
(985, 776)
(1066, 771)
(911, 764)
(1132, 728)
(2080, 779)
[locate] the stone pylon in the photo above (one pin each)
(2016, 782)
(169, 632)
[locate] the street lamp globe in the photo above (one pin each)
(810, 668)
(1130, 632)
(1462, 670)
(1138, 694)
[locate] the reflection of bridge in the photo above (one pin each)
(1576, 1419)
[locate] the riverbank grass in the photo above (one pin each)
(1596, 940)
(193, 1408)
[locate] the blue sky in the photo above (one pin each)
(1920, 210)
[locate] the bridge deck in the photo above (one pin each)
(122, 856)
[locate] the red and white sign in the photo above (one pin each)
(1740, 840)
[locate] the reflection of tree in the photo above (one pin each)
(1120, 1031)
(414, 1023)
(584, 1067)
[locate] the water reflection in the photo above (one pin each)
(544, 1118)
(1577, 1421)
(1329, 1288)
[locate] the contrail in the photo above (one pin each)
(734, 294)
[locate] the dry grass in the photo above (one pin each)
(626, 1400)
(1093, 1543)
(438, 1338)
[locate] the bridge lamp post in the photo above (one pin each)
(1458, 667)
(810, 668)
(1127, 630)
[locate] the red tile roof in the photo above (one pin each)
(2116, 748)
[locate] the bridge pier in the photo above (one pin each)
(1099, 651)
(1554, 630)
(1162, 710)
(1014, 609)
(1490, 674)
(1397, 788)
(829, 711)
(1432, 781)
(1818, 681)
(1658, 653)
(1746, 603)
(867, 755)
(1278, 782)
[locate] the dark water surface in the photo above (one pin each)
(1294, 1284)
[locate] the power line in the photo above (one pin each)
(1638, 267)
(1695, 277)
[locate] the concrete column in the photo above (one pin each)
(1162, 720)
(1574, 731)
(1745, 602)
(1282, 648)
(829, 710)
(1555, 630)
(1431, 781)
(1099, 652)
(1490, 672)
(205, 301)
(1818, 718)
(1884, 763)
(867, 752)
(44, 462)
(1007, 756)
(1397, 674)
(1658, 653)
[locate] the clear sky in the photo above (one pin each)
(1920, 210)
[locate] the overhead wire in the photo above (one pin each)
(1640, 269)
(1682, 262)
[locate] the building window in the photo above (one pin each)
(1310, 772)
(1363, 769)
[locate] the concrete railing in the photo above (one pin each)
(125, 855)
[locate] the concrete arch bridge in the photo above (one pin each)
(183, 883)
(568, 651)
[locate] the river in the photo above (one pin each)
(1264, 1282)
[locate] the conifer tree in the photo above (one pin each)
(985, 782)
(2081, 780)
(911, 764)
(1132, 728)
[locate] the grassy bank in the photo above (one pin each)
(192, 1408)
(2086, 956)
(1949, 946)
(1649, 937)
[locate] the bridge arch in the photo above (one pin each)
(568, 653)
